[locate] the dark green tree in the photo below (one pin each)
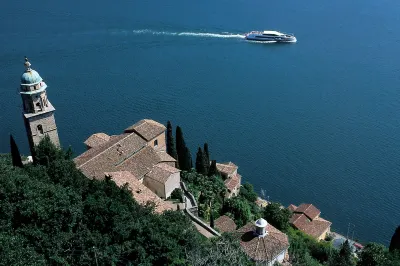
(277, 216)
(240, 210)
(200, 167)
(171, 149)
(188, 160)
(212, 219)
(344, 257)
(51, 214)
(184, 155)
(247, 192)
(213, 169)
(225, 250)
(46, 152)
(16, 157)
(373, 254)
(395, 241)
(206, 157)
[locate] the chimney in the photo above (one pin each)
(261, 227)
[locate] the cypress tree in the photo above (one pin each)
(171, 149)
(345, 251)
(200, 167)
(395, 241)
(206, 157)
(211, 217)
(213, 169)
(188, 160)
(180, 147)
(16, 157)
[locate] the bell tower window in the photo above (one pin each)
(40, 129)
(156, 143)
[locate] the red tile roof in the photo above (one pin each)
(165, 157)
(148, 129)
(161, 172)
(227, 168)
(140, 192)
(309, 210)
(262, 249)
(97, 140)
(225, 224)
(292, 207)
(233, 182)
(306, 218)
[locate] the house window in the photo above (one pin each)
(156, 143)
(40, 129)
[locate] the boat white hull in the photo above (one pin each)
(260, 38)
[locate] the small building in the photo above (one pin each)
(162, 179)
(232, 180)
(140, 192)
(225, 224)
(306, 218)
(263, 243)
(140, 150)
(262, 203)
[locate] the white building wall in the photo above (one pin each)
(172, 183)
(279, 258)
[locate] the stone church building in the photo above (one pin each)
(139, 150)
(137, 156)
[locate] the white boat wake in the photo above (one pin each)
(190, 34)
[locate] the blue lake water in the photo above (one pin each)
(315, 122)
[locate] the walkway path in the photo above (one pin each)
(202, 231)
(190, 207)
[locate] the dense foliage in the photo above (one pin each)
(247, 192)
(50, 213)
(220, 251)
(277, 216)
(305, 250)
(207, 191)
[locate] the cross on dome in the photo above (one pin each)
(27, 64)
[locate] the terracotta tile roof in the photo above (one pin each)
(139, 191)
(148, 129)
(314, 228)
(108, 157)
(230, 164)
(161, 172)
(88, 155)
(233, 182)
(227, 168)
(140, 163)
(292, 207)
(225, 224)
(165, 157)
(262, 249)
(97, 140)
(309, 210)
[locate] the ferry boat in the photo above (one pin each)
(270, 36)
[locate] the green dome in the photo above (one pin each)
(30, 77)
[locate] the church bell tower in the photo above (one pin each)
(37, 110)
